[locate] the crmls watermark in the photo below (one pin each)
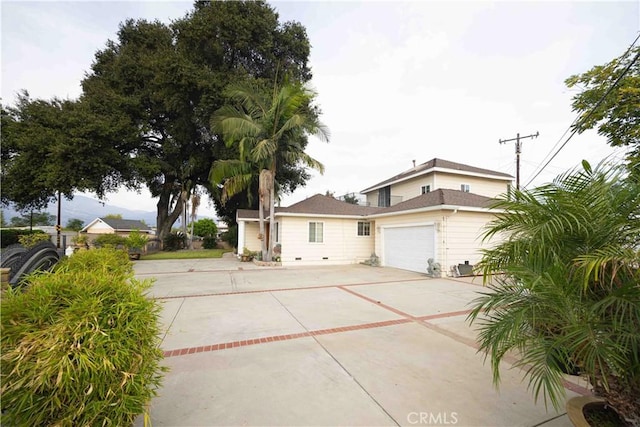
(433, 418)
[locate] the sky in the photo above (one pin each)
(396, 81)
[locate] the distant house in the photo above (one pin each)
(116, 226)
(436, 210)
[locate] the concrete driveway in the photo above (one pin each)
(336, 345)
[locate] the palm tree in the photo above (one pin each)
(565, 293)
(267, 129)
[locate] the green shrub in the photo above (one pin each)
(231, 236)
(113, 240)
(174, 241)
(209, 243)
(105, 261)
(136, 240)
(32, 239)
(80, 345)
(10, 236)
(205, 227)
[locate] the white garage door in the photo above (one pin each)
(409, 248)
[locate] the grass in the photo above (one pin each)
(186, 254)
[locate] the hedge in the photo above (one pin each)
(10, 236)
(81, 345)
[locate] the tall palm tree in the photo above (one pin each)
(565, 293)
(267, 128)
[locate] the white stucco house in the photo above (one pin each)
(435, 210)
(116, 226)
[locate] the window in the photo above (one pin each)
(384, 197)
(276, 231)
(364, 228)
(425, 189)
(464, 187)
(315, 232)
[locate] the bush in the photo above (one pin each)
(231, 236)
(10, 236)
(136, 240)
(30, 240)
(80, 345)
(113, 240)
(209, 243)
(205, 227)
(174, 241)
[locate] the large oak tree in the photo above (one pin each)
(143, 116)
(163, 83)
(58, 146)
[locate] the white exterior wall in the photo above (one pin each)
(412, 187)
(372, 198)
(458, 235)
(463, 234)
(341, 243)
(483, 186)
(251, 242)
(100, 228)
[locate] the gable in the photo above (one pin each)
(110, 225)
(439, 165)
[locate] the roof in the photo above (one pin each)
(120, 224)
(250, 214)
(427, 167)
(324, 205)
(441, 197)
(315, 205)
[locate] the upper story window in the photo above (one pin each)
(384, 197)
(316, 232)
(464, 187)
(364, 228)
(425, 189)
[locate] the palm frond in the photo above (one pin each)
(566, 288)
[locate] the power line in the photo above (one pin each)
(584, 119)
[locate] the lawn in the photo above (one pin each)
(186, 254)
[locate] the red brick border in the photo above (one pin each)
(407, 318)
(263, 340)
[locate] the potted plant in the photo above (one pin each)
(80, 242)
(135, 244)
(565, 291)
(246, 255)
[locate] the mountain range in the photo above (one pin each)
(87, 209)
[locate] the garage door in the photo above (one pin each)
(409, 248)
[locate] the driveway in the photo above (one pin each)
(334, 345)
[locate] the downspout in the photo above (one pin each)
(445, 241)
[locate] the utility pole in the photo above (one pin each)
(58, 225)
(518, 151)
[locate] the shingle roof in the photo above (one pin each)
(437, 163)
(441, 197)
(250, 213)
(125, 224)
(326, 205)
(315, 205)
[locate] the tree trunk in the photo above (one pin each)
(164, 218)
(263, 240)
(272, 222)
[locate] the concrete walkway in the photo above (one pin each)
(339, 345)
